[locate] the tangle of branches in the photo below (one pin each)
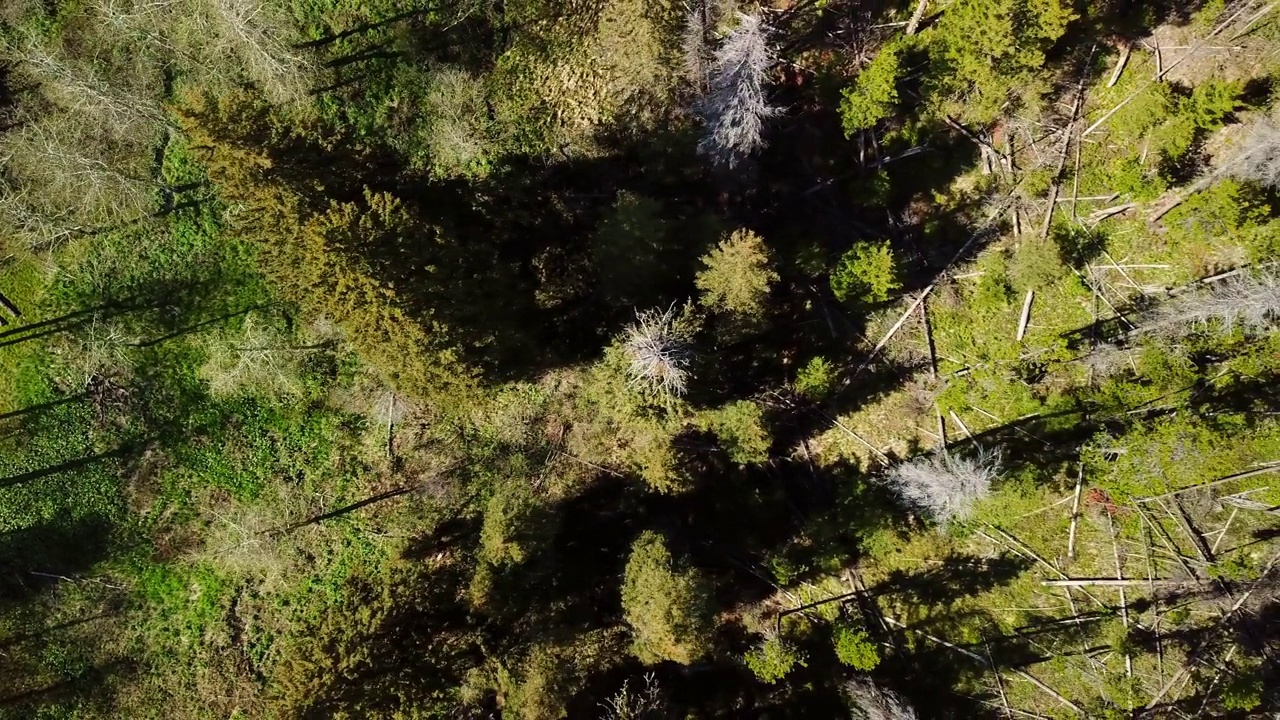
(659, 353)
(944, 485)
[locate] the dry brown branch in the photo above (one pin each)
(928, 336)
(916, 17)
(1251, 301)
(1124, 602)
(1187, 665)
(1168, 541)
(1225, 529)
(1114, 582)
(1245, 30)
(1197, 540)
(857, 437)
(1163, 71)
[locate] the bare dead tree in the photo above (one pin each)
(265, 52)
(1250, 301)
(1259, 159)
(659, 352)
(876, 703)
(736, 106)
(225, 41)
(83, 91)
(1107, 359)
(945, 485)
(694, 47)
(634, 703)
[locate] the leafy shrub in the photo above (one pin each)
(773, 659)
(855, 649)
(1035, 265)
(554, 672)
(866, 274)
(1236, 567)
(668, 608)
(816, 378)
(1244, 692)
(514, 524)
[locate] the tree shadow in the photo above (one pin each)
(399, 644)
(36, 558)
(954, 577)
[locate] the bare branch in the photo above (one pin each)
(659, 352)
(1250, 301)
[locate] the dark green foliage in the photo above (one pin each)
(323, 391)
(629, 252)
(984, 51)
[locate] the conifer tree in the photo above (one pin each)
(667, 607)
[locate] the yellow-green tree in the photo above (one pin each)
(667, 607)
(736, 276)
(344, 260)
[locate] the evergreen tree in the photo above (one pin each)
(668, 608)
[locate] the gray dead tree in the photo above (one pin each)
(1250, 301)
(635, 703)
(695, 50)
(1259, 159)
(735, 108)
(944, 485)
(876, 703)
(659, 352)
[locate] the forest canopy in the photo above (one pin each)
(635, 360)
